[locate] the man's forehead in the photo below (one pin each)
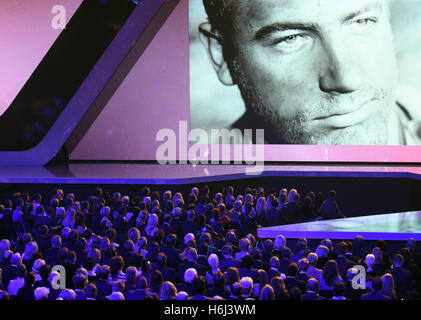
(260, 11)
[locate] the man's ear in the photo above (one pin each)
(213, 45)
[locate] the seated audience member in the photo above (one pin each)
(267, 293)
(247, 288)
(312, 290)
(219, 286)
(189, 275)
(169, 274)
(358, 247)
(228, 260)
(375, 294)
(285, 260)
(278, 285)
(244, 245)
(300, 252)
(291, 278)
(329, 277)
(104, 287)
(191, 256)
(303, 265)
(343, 263)
(168, 291)
(41, 293)
(91, 292)
(141, 290)
(312, 271)
(18, 282)
(339, 291)
(236, 291)
(246, 267)
(402, 277)
(80, 282)
(199, 289)
(27, 291)
(389, 286)
(274, 269)
(354, 288)
(322, 253)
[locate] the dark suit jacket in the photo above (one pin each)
(169, 274)
(25, 293)
(284, 263)
(8, 274)
(311, 296)
(186, 287)
(292, 282)
(200, 297)
(80, 295)
(172, 256)
(104, 288)
(51, 256)
(375, 295)
(229, 262)
(138, 294)
(273, 273)
(403, 281)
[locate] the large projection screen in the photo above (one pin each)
(175, 85)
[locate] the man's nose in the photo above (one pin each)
(340, 71)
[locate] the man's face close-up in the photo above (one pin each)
(317, 71)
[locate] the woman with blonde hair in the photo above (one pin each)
(261, 210)
(30, 254)
(151, 225)
(267, 293)
(389, 286)
(168, 291)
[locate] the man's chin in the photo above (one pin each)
(355, 135)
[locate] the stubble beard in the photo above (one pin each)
(299, 130)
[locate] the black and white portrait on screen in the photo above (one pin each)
(314, 72)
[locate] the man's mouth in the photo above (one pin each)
(348, 119)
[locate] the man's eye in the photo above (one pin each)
(290, 43)
(362, 24)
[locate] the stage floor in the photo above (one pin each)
(394, 226)
(135, 173)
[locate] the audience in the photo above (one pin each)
(157, 246)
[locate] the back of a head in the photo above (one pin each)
(199, 285)
(279, 242)
(268, 245)
(322, 251)
(246, 284)
(236, 289)
(341, 248)
(312, 285)
(292, 270)
(377, 283)
(303, 264)
(189, 275)
(398, 260)
(141, 283)
(91, 290)
(286, 253)
(79, 281)
(267, 293)
(312, 258)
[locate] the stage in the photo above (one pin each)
(177, 174)
(393, 226)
